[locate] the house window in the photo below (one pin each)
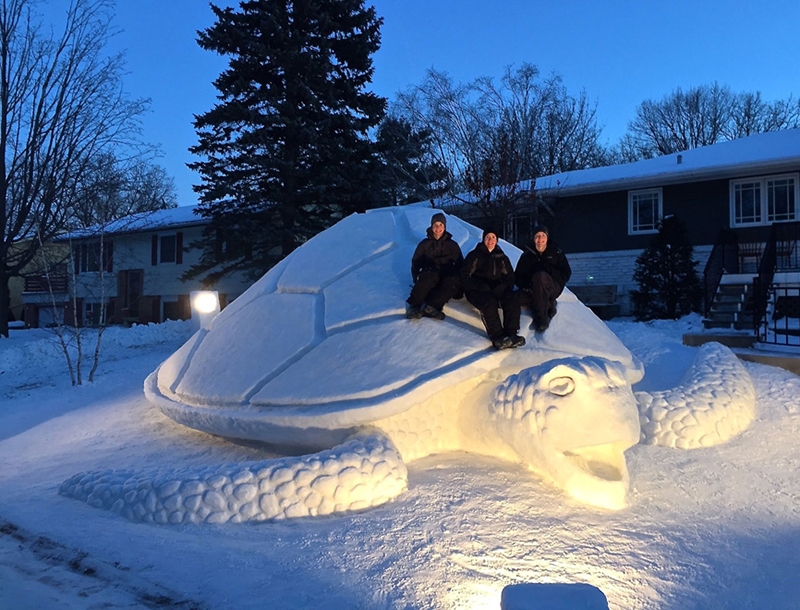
(95, 314)
(759, 201)
(130, 289)
(644, 211)
(87, 257)
(176, 308)
(781, 199)
(167, 249)
(229, 245)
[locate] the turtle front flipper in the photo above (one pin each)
(714, 402)
(363, 472)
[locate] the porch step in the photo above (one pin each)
(724, 306)
(732, 308)
(722, 317)
(710, 323)
(729, 319)
(733, 289)
(730, 340)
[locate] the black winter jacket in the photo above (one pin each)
(485, 271)
(552, 260)
(442, 254)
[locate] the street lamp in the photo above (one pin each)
(205, 307)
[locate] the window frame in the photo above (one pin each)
(95, 313)
(167, 249)
(157, 248)
(86, 257)
(634, 230)
(764, 186)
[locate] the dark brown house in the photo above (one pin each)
(740, 201)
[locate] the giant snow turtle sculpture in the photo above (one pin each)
(317, 358)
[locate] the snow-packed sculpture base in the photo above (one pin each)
(317, 357)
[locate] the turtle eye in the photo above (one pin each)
(561, 386)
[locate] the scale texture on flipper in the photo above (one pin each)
(714, 402)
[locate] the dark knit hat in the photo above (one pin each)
(541, 229)
(439, 217)
(490, 230)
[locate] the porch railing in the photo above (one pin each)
(41, 283)
(787, 235)
(763, 281)
(724, 258)
(783, 326)
(780, 254)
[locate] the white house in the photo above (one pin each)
(132, 267)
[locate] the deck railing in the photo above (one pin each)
(43, 283)
(783, 326)
(763, 281)
(787, 235)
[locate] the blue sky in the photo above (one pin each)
(621, 52)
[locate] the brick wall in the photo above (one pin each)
(617, 267)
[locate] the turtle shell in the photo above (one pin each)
(321, 341)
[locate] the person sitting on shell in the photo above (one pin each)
(541, 274)
(435, 267)
(488, 279)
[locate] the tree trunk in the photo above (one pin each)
(5, 303)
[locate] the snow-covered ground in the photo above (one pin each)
(716, 527)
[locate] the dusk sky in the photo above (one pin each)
(621, 52)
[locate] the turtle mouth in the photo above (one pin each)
(596, 475)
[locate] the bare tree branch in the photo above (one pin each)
(496, 139)
(61, 105)
(702, 116)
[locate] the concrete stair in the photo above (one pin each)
(732, 308)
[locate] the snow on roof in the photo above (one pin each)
(772, 151)
(144, 221)
(159, 219)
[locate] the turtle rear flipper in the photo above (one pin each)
(363, 472)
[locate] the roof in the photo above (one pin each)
(773, 151)
(171, 218)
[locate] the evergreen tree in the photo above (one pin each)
(408, 171)
(285, 152)
(669, 286)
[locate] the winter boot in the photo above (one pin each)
(502, 342)
(516, 340)
(432, 312)
(413, 313)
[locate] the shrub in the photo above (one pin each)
(669, 286)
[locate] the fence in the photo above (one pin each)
(781, 325)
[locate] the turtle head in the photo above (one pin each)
(572, 419)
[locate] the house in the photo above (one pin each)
(132, 268)
(32, 275)
(739, 199)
